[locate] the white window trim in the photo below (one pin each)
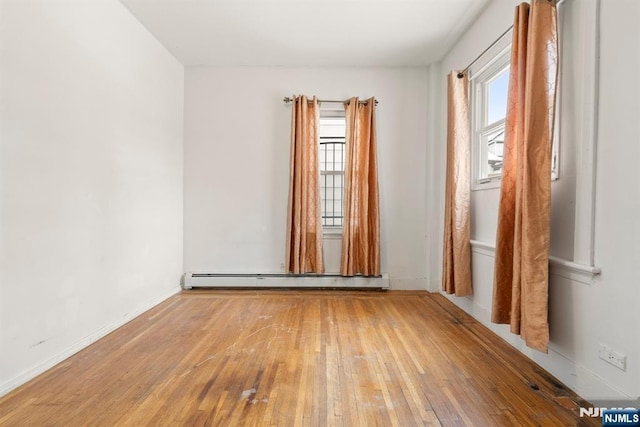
(480, 74)
(582, 268)
(332, 232)
(584, 240)
(332, 109)
(558, 266)
(482, 71)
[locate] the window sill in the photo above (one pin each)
(486, 184)
(571, 270)
(491, 183)
(332, 233)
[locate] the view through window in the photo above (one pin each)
(491, 111)
(331, 154)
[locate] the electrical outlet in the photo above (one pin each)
(616, 359)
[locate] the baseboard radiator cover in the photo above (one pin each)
(280, 280)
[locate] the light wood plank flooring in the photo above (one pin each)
(304, 358)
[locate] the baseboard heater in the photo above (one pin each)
(218, 280)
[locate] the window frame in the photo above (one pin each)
(579, 128)
(332, 112)
(480, 79)
(481, 75)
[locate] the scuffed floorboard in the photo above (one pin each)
(308, 358)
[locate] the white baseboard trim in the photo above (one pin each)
(581, 380)
(275, 280)
(409, 284)
(41, 367)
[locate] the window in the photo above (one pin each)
(489, 88)
(489, 108)
(331, 155)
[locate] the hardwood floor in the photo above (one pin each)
(308, 358)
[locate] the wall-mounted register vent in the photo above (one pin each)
(218, 280)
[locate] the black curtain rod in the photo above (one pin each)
(496, 41)
(287, 100)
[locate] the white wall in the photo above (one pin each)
(616, 298)
(90, 177)
(237, 163)
(582, 315)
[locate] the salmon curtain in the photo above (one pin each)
(520, 294)
(456, 269)
(361, 225)
(304, 226)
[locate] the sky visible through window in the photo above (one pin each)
(498, 97)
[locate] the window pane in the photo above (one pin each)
(331, 153)
(495, 148)
(322, 155)
(331, 189)
(332, 127)
(497, 97)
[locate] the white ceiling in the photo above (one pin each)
(305, 33)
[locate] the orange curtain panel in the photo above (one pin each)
(456, 268)
(304, 225)
(521, 278)
(361, 225)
